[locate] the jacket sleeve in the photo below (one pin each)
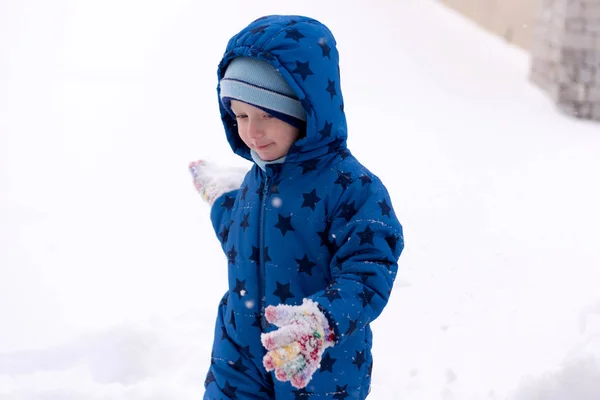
(220, 214)
(367, 240)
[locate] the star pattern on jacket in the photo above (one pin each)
(324, 236)
(283, 291)
(344, 153)
(366, 295)
(310, 199)
(259, 29)
(239, 365)
(232, 320)
(244, 192)
(305, 265)
(327, 363)
(385, 208)
(224, 234)
(370, 370)
(284, 224)
(392, 241)
(332, 294)
(245, 351)
(240, 286)
(365, 179)
(334, 146)
(267, 55)
(228, 202)
(275, 168)
(352, 326)
(341, 392)
(210, 378)
(224, 300)
(231, 255)
(326, 131)
(256, 254)
(364, 276)
(309, 165)
(260, 189)
(303, 69)
(258, 320)
(245, 224)
(331, 88)
(359, 359)
(294, 34)
(366, 236)
(326, 50)
(266, 257)
(348, 211)
(334, 247)
(344, 179)
(230, 390)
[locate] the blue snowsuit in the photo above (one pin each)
(319, 226)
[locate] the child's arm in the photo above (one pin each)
(369, 240)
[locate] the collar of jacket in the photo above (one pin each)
(262, 163)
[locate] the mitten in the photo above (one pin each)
(296, 348)
(211, 181)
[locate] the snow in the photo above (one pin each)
(110, 273)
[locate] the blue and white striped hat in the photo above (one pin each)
(258, 83)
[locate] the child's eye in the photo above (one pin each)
(267, 116)
(241, 116)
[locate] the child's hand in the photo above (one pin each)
(296, 348)
(201, 179)
(211, 181)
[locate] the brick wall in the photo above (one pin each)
(510, 19)
(565, 53)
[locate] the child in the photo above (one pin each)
(311, 239)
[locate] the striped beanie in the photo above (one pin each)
(259, 84)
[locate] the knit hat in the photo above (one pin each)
(259, 84)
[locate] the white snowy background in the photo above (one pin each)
(110, 273)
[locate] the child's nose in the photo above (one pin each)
(255, 129)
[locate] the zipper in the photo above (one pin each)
(261, 268)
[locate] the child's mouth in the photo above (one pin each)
(263, 146)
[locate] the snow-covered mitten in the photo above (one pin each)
(211, 181)
(296, 348)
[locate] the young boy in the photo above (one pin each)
(310, 235)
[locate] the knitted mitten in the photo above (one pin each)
(296, 348)
(211, 181)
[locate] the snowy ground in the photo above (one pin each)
(109, 271)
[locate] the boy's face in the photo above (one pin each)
(269, 137)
